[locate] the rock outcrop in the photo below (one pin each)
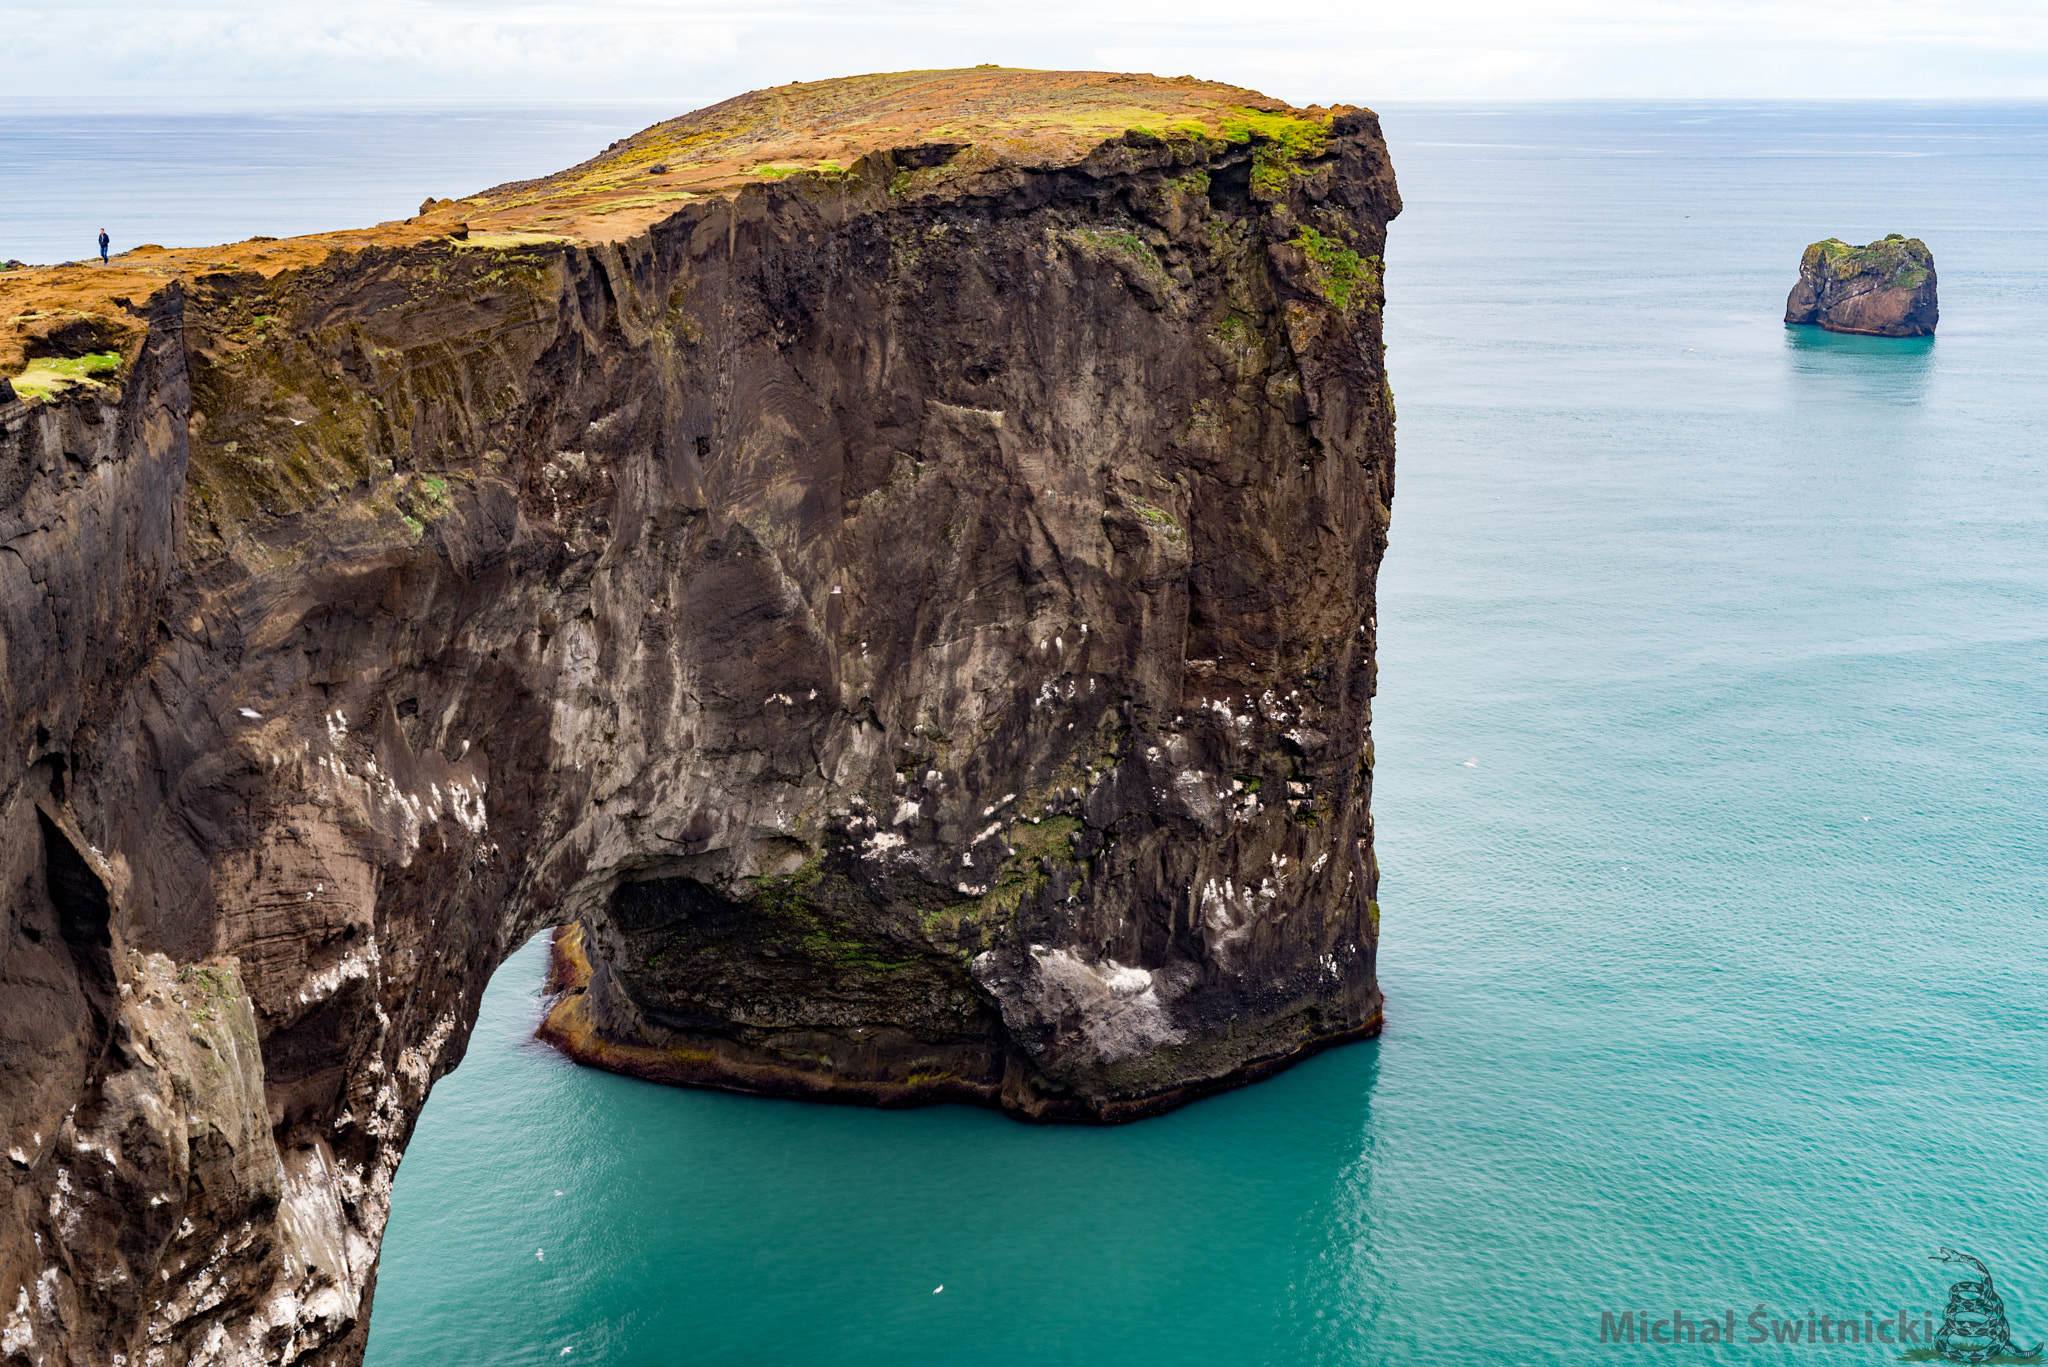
(887, 563)
(1886, 289)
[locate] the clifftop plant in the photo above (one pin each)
(1340, 274)
(1283, 141)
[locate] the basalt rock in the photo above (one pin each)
(1886, 289)
(908, 614)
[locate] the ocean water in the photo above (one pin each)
(1712, 757)
(1712, 768)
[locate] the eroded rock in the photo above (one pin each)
(1886, 289)
(911, 618)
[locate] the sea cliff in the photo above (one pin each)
(888, 563)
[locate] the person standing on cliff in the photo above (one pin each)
(104, 240)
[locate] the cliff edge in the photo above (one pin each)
(1886, 289)
(888, 564)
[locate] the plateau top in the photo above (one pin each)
(943, 127)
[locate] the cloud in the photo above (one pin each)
(1375, 50)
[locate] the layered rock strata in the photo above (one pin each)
(1886, 289)
(906, 604)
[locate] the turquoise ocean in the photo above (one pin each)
(1712, 799)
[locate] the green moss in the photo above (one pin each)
(1159, 518)
(1127, 245)
(1131, 245)
(207, 989)
(785, 897)
(680, 324)
(852, 954)
(1179, 130)
(48, 376)
(1899, 262)
(1282, 143)
(505, 241)
(1124, 243)
(511, 268)
(1048, 838)
(1299, 137)
(791, 903)
(1339, 274)
(419, 500)
(1023, 873)
(612, 206)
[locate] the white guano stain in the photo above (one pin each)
(19, 1333)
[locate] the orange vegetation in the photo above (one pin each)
(1003, 117)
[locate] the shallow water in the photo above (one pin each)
(1711, 746)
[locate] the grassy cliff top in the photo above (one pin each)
(1892, 256)
(1036, 118)
(1002, 116)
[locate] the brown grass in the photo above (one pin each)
(1007, 116)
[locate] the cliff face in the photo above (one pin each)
(1886, 289)
(905, 604)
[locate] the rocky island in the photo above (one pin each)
(1886, 289)
(886, 564)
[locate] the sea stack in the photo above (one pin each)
(898, 585)
(1883, 290)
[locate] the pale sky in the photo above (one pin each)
(1358, 51)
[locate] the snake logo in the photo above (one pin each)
(1973, 1327)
